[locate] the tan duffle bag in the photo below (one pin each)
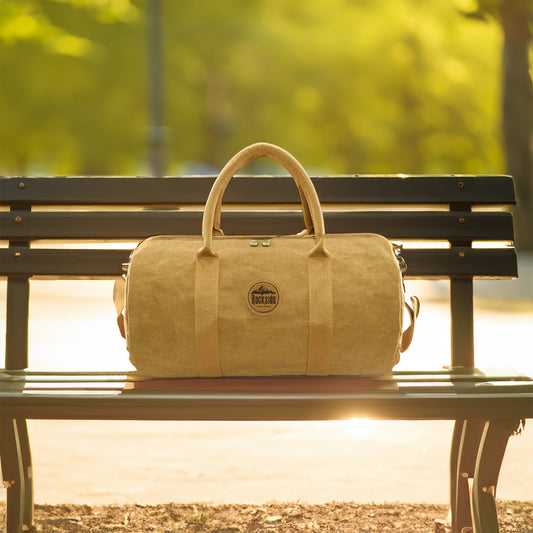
(307, 304)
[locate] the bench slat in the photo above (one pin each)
(15, 379)
(405, 395)
(430, 404)
(438, 263)
(437, 189)
(19, 225)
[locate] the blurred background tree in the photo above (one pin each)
(348, 86)
(516, 20)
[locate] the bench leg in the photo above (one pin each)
(492, 447)
(25, 450)
(477, 452)
(17, 474)
(465, 445)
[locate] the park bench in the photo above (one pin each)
(457, 210)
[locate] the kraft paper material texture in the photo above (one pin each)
(311, 304)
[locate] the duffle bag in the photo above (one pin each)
(309, 304)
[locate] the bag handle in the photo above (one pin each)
(305, 210)
(413, 310)
(307, 190)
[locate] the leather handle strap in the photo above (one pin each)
(413, 309)
(320, 330)
(308, 221)
(119, 295)
(206, 293)
(298, 173)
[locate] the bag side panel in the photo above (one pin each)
(160, 307)
(368, 299)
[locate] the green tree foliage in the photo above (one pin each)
(71, 86)
(346, 85)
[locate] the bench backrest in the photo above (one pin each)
(467, 215)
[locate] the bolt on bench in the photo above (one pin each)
(417, 210)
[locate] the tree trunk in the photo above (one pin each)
(518, 113)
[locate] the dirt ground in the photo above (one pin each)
(515, 517)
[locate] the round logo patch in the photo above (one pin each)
(263, 297)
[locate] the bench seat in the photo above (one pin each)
(128, 396)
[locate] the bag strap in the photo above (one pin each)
(413, 309)
(319, 268)
(119, 295)
(320, 329)
(320, 317)
(308, 221)
(297, 172)
(206, 291)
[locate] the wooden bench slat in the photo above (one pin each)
(405, 395)
(106, 387)
(403, 378)
(436, 404)
(438, 263)
(135, 225)
(103, 387)
(437, 189)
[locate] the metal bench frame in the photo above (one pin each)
(459, 210)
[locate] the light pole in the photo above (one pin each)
(156, 130)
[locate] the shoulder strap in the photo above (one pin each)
(413, 309)
(119, 291)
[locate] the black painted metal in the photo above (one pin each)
(462, 325)
(489, 460)
(455, 485)
(464, 451)
(462, 307)
(12, 473)
(18, 292)
(27, 471)
(470, 190)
